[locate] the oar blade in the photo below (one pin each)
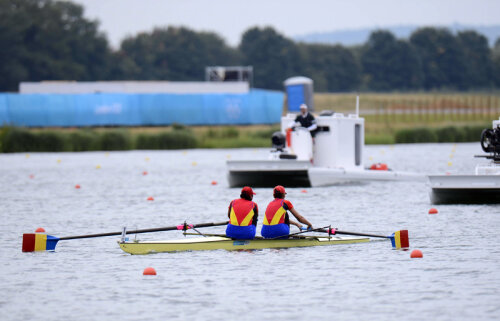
(400, 239)
(33, 242)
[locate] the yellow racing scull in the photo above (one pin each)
(225, 243)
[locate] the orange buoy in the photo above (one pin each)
(32, 176)
(433, 211)
(214, 182)
(149, 271)
(40, 230)
(416, 254)
(77, 186)
(379, 167)
(151, 198)
(144, 173)
(304, 191)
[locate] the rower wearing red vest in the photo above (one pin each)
(242, 213)
(276, 221)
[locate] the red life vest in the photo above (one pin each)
(241, 212)
(275, 212)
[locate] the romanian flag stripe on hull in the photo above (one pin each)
(39, 242)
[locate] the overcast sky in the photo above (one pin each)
(230, 18)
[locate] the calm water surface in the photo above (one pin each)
(92, 279)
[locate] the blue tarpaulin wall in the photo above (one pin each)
(75, 110)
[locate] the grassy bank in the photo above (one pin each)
(14, 140)
(386, 114)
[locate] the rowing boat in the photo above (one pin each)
(225, 243)
(43, 242)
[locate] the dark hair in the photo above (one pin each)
(278, 194)
(246, 196)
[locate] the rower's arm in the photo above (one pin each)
(300, 218)
(295, 223)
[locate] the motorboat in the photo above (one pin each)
(483, 187)
(333, 156)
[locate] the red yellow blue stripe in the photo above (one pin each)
(400, 239)
(39, 242)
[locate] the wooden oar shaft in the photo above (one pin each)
(148, 230)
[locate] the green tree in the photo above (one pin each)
(478, 63)
(273, 57)
(442, 56)
(496, 63)
(333, 68)
(173, 54)
(49, 40)
(389, 64)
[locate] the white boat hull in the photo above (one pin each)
(268, 173)
(465, 189)
(321, 176)
(294, 173)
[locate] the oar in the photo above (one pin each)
(399, 239)
(43, 242)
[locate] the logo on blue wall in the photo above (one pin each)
(115, 108)
(233, 109)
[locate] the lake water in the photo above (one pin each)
(458, 277)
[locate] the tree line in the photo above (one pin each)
(52, 40)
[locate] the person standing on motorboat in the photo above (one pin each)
(306, 119)
(243, 213)
(276, 220)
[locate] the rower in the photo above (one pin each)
(242, 213)
(276, 220)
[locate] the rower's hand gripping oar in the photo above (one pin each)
(43, 242)
(399, 239)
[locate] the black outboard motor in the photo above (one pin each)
(490, 142)
(279, 144)
(279, 141)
